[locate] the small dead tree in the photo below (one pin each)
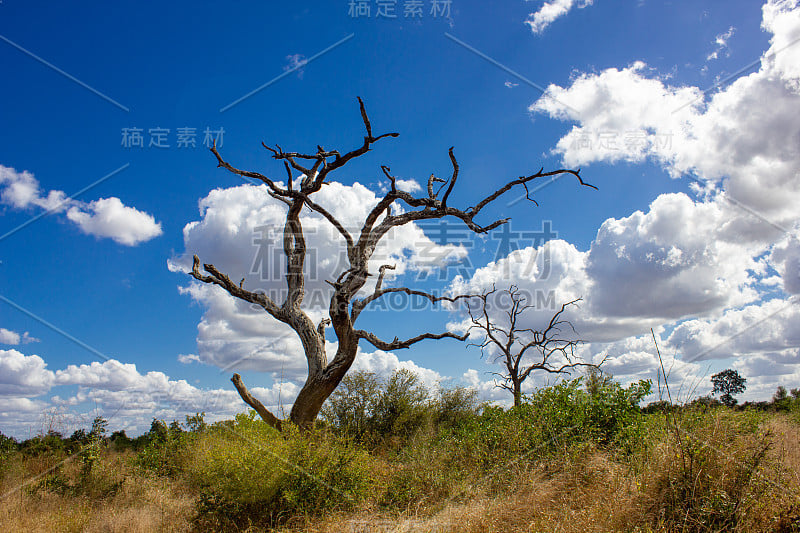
(523, 350)
(315, 170)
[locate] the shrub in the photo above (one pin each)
(352, 405)
(605, 413)
(402, 407)
(374, 412)
(709, 475)
(456, 406)
(164, 450)
(252, 473)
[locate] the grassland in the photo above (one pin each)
(393, 456)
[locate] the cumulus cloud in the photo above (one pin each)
(240, 232)
(744, 135)
(771, 327)
(785, 257)
(385, 364)
(13, 338)
(677, 260)
(552, 10)
(109, 217)
(106, 217)
(408, 185)
(189, 358)
(130, 398)
(23, 375)
(694, 265)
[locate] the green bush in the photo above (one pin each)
(375, 412)
(8, 449)
(164, 449)
(403, 406)
(711, 474)
(456, 406)
(251, 473)
(547, 422)
(351, 407)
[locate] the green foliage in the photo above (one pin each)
(119, 441)
(8, 445)
(8, 448)
(352, 405)
(604, 412)
(51, 443)
(787, 402)
(251, 472)
(456, 406)
(712, 473)
(402, 407)
(164, 448)
(729, 382)
(373, 412)
(92, 447)
(196, 423)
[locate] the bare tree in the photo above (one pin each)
(345, 307)
(523, 350)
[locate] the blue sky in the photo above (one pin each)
(513, 86)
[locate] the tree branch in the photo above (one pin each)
(452, 179)
(222, 280)
(398, 344)
(254, 402)
(246, 173)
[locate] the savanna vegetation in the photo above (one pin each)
(392, 455)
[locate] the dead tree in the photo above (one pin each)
(522, 350)
(314, 170)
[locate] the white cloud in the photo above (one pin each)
(109, 217)
(130, 399)
(785, 258)
(189, 358)
(13, 338)
(488, 389)
(409, 185)
(21, 190)
(106, 217)
(111, 375)
(721, 44)
(745, 134)
(782, 19)
(693, 259)
(552, 10)
(385, 364)
(763, 328)
(23, 375)
(676, 260)
(636, 358)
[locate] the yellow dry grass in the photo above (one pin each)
(139, 503)
(587, 490)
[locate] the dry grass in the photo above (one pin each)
(138, 503)
(586, 490)
(590, 491)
